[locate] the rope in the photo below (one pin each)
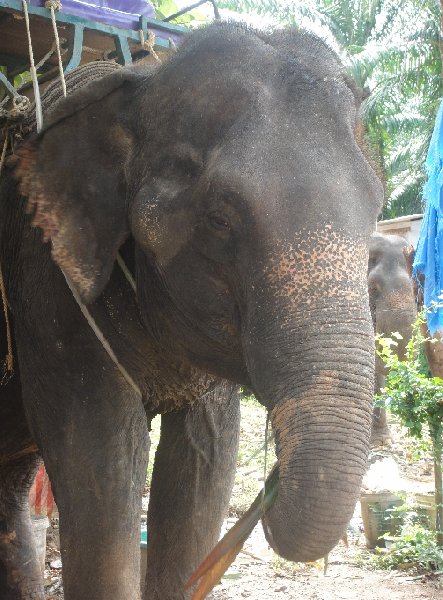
(121, 263)
(9, 360)
(172, 45)
(41, 63)
(148, 44)
(98, 333)
(38, 105)
(20, 104)
(3, 156)
(54, 5)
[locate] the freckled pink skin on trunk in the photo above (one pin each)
(317, 355)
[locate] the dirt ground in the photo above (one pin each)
(258, 574)
(265, 576)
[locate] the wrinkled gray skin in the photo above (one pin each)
(234, 178)
(393, 309)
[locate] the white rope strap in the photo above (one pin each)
(172, 45)
(4, 149)
(98, 333)
(54, 5)
(121, 263)
(148, 44)
(9, 360)
(38, 103)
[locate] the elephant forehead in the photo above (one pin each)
(316, 264)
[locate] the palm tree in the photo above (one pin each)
(394, 49)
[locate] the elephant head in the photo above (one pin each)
(236, 168)
(393, 309)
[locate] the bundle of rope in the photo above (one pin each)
(18, 130)
(22, 120)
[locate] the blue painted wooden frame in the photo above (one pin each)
(165, 33)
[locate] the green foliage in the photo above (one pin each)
(166, 8)
(417, 400)
(410, 393)
(414, 548)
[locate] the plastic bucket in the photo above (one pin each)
(426, 510)
(378, 516)
(40, 525)
(143, 554)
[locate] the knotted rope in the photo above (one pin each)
(54, 5)
(51, 96)
(148, 44)
(38, 105)
(20, 105)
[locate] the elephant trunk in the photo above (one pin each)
(321, 414)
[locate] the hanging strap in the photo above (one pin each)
(38, 103)
(54, 5)
(99, 335)
(9, 360)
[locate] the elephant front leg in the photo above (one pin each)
(97, 465)
(20, 571)
(191, 486)
(380, 434)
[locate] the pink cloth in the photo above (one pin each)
(41, 500)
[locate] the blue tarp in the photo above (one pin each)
(429, 253)
(118, 13)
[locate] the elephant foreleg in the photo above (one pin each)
(380, 434)
(98, 482)
(95, 451)
(20, 573)
(192, 482)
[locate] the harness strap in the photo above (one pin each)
(126, 272)
(99, 335)
(9, 360)
(38, 104)
(54, 5)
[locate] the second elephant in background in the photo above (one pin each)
(393, 309)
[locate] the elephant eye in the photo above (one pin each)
(219, 221)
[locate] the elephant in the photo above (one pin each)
(393, 309)
(173, 232)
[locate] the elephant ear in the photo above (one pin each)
(73, 175)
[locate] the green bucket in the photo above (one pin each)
(143, 554)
